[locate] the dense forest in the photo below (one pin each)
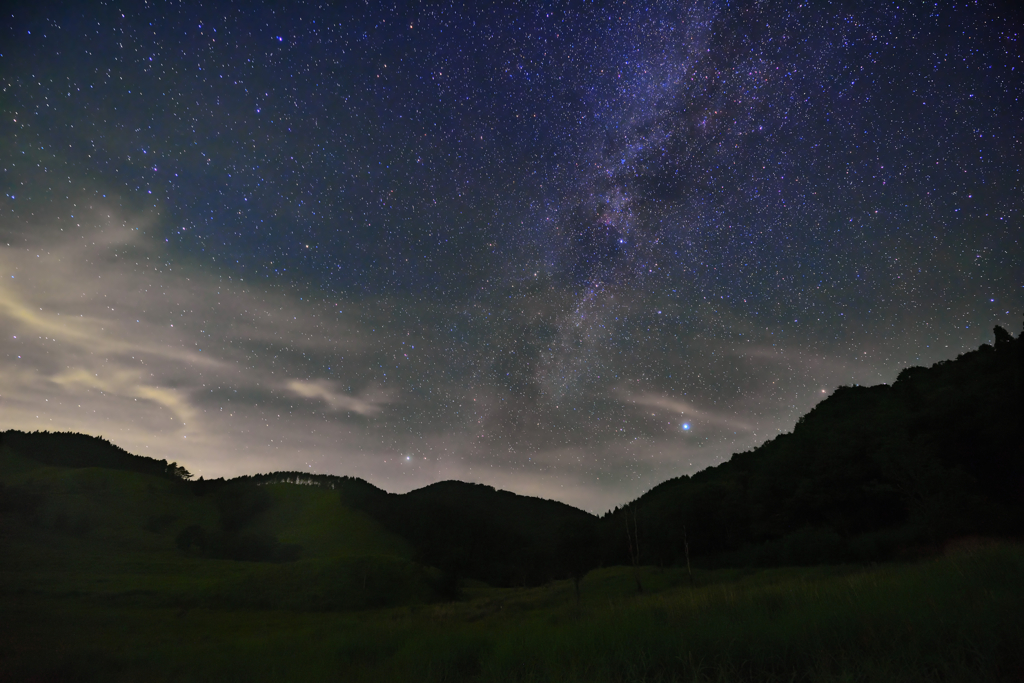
(870, 474)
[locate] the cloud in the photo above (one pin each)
(105, 333)
(90, 334)
(130, 384)
(367, 404)
(688, 410)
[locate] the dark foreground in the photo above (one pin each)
(955, 618)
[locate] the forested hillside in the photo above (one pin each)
(870, 473)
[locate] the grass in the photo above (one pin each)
(951, 619)
(113, 599)
(315, 518)
(111, 535)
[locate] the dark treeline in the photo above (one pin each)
(871, 473)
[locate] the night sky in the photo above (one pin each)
(566, 249)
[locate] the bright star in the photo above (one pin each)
(686, 426)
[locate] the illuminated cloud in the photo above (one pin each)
(683, 409)
(367, 404)
(107, 336)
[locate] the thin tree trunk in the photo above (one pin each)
(686, 547)
(634, 549)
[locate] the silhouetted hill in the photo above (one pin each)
(476, 531)
(870, 473)
(69, 449)
(538, 518)
(467, 530)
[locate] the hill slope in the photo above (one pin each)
(469, 531)
(154, 540)
(869, 473)
(475, 531)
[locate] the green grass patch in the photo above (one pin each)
(315, 519)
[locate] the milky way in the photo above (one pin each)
(571, 250)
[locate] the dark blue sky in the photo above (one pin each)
(595, 222)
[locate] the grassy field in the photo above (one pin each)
(953, 619)
(92, 587)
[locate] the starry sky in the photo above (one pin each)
(567, 249)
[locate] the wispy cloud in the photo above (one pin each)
(130, 384)
(104, 333)
(678, 407)
(368, 403)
